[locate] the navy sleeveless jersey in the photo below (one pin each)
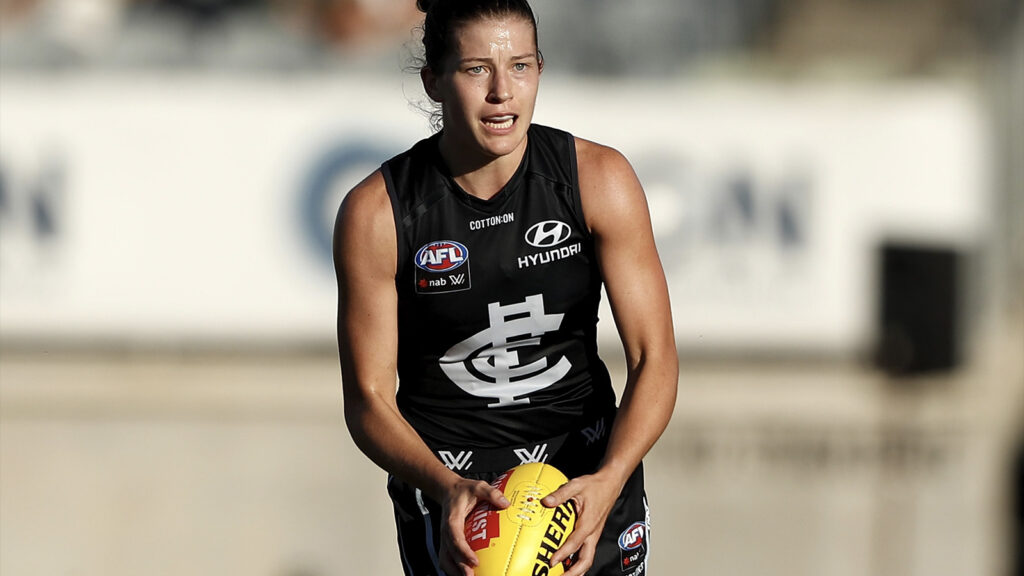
(497, 300)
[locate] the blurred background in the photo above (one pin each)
(837, 189)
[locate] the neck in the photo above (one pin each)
(479, 175)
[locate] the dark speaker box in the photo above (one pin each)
(919, 303)
(1018, 509)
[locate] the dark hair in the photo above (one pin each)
(443, 18)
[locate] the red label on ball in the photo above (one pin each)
(481, 526)
(483, 523)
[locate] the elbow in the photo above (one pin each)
(363, 412)
(657, 367)
(359, 422)
(358, 413)
(353, 410)
(661, 359)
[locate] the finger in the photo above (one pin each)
(565, 492)
(457, 569)
(576, 542)
(461, 551)
(450, 565)
(584, 559)
(497, 499)
(492, 496)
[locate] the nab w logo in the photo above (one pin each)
(454, 461)
(537, 454)
(595, 432)
(547, 234)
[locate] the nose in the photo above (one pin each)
(501, 88)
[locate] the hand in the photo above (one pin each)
(594, 495)
(457, 558)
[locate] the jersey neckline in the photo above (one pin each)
(493, 203)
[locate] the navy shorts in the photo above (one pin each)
(622, 550)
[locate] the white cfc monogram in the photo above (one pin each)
(487, 363)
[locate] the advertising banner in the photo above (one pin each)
(200, 209)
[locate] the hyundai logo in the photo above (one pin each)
(547, 234)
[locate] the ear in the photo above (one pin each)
(430, 84)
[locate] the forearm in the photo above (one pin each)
(644, 412)
(380, 431)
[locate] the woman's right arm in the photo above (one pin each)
(365, 260)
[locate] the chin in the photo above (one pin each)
(503, 145)
(497, 151)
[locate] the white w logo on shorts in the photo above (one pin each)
(456, 462)
(538, 454)
(595, 432)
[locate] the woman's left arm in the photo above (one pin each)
(616, 212)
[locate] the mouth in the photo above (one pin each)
(500, 122)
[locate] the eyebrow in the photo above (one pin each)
(526, 56)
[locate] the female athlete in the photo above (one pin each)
(470, 267)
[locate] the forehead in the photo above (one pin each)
(481, 36)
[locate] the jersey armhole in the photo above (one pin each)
(574, 176)
(396, 216)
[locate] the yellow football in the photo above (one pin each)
(520, 540)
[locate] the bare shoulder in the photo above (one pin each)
(597, 161)
(368, 201)
(608, 184)
(365, 222)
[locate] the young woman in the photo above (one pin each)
(470, 266)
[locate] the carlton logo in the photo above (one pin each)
(441, 256)
(547, 234)
(633, 537)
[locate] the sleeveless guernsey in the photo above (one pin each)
(497, 300)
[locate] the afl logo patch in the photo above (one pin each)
(547, 234)
(441, 256)
(633, 537)
(633, 549)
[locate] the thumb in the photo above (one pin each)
(492, 496)
(498, 500)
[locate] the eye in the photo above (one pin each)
(475, 70)
(521, 66)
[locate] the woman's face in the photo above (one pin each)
(488, 87)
